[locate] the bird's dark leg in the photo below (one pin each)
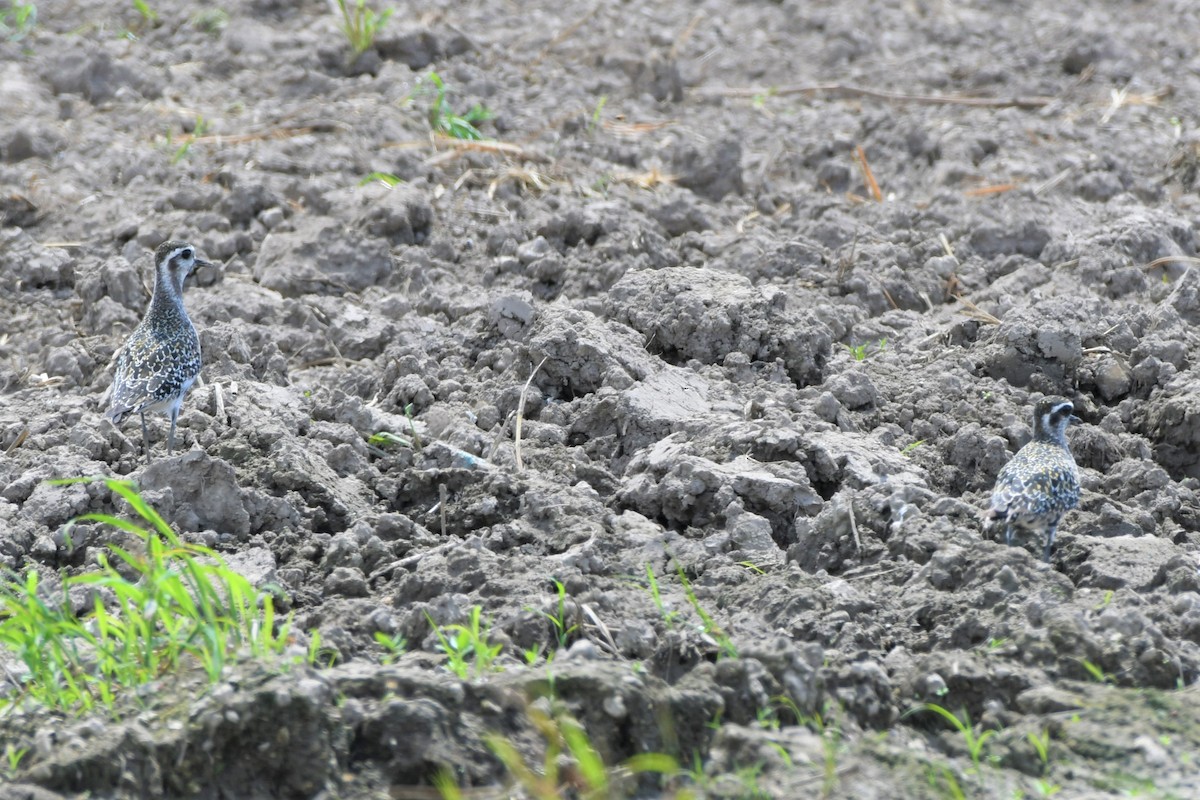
(1049, 542)
(171, 435)
(145, 438)
(1008, 535)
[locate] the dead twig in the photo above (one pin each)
(686, 34)
(975, 312)
(44, 381)
(443, 501)
(629, 130)
(326, 361)
(891, 300)
(242, 138)
(646, 180)
(455, 148)
(947, 248)
(872, 574)
(220, 399)
(1158, 262)
(868, 175)
(740, 227)
(878, 94)
(563, 35)
(845, 264)
(500, 436)
(1050, 183)
(609, 643)
(998, 188)
(1119, 98)
(528, 178)
(854, 528)
(20, 440)
(521, 415)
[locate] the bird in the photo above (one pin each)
(160, 361)
(1041, 482)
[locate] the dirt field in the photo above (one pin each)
(726, 329)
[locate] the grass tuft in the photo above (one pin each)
(469, 653)
(393, 646)
(180, 606)
(361, 24)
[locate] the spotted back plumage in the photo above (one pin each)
(161, 359)
(1041, 483)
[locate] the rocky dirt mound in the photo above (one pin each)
(714, 359)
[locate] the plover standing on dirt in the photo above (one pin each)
(1041, 482)
(161, 360)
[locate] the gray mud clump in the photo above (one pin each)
(684, 389)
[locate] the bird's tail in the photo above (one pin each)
(118, 413)
(991, 515)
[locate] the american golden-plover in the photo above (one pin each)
(1041, 482)
(161, 360)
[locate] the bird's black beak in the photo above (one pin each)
(1074, 420)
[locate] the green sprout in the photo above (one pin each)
(1041, 745)
(316, 654)
(594, 125)
(388, 438)
(944, 780)
(148, 14)
(410, 415)
(1046, 788)
(724, 643)
(386, 178)
(17, 20)
(558, 618)
(759, 100)
(669, 616)
(456, 126)
(13, 755)
(199, 128)
(361, 24)
(974, 738)
(211, 21)
(1096, 671)
(862, 351)
(394, 645)
(824, 725)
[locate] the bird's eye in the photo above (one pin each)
(187, 254)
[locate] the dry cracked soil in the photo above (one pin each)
(749, 300)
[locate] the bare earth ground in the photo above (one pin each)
(747, 369)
